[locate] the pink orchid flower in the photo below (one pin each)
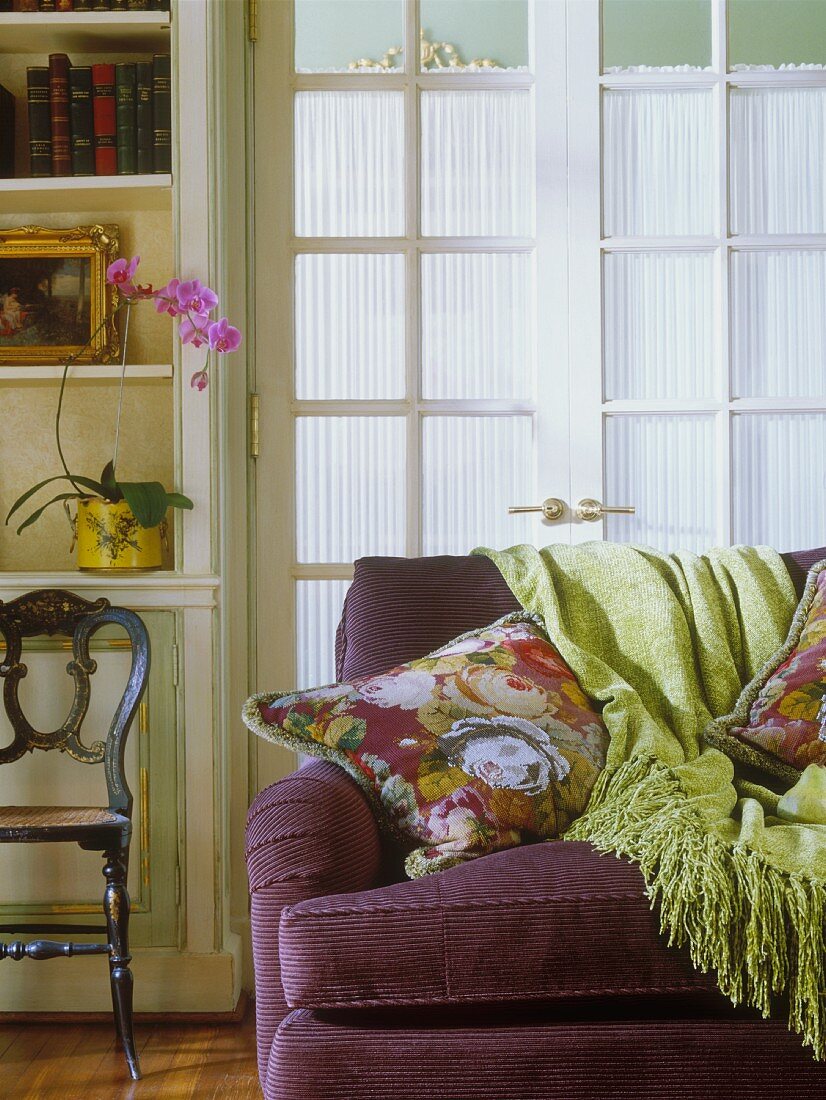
(193, 330)
(194, 297)
(120, 273)
(166, 299)
(199, 380)
(223, 337)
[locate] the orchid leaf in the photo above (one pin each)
(86, 482)
(178, 500)
(38, 512)
(147, 499)
(111, 487)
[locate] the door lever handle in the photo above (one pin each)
(591, 510)
(552, 509)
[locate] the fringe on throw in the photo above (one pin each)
(760, 929)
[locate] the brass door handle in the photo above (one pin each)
(552, 509)
(591, 510)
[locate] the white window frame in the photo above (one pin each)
(588, 247)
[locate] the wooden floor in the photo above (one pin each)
(83, 1062)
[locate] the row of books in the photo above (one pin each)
(84, 5)
(100, 120)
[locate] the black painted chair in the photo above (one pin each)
(107, 830)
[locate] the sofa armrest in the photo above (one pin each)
(308, 835)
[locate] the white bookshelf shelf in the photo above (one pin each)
(84, 32)
(103, 193)
(83, 371)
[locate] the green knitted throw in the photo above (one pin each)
(665, 642)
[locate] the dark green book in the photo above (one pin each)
(162, 112)
(119, 5)
(80, 119)
(83, 5)
(146, 136)
(6, 134)
(138, 5)
(40, 121)
(126, 118)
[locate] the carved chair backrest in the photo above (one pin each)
(53, 611)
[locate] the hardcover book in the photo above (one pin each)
(119, 5)
(24, 5)
(146, 158)
(59, 105)
(126, 113)
(103, 117)
(46, 5)
(162, 112)
(100, 5)
(80, 113)
(6, 134)
(83, 5)
(40, 121)
(138, 5)
(65, 5)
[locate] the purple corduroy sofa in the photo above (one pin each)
(531, 974)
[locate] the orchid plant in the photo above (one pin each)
(193, 304)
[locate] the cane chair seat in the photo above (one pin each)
(52, 818)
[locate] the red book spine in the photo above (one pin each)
(59, 107)
(65, 5)
(103, 109)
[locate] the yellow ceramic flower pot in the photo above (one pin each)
(109, 537)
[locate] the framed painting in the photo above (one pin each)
(55, 302)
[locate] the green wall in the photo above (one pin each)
(770, 32)
(332, 33)
(678, 32)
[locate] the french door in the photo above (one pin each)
(521, 283)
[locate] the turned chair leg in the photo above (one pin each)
(116, 908)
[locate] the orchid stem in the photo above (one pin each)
(122, 380)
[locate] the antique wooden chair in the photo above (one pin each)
(106, 830)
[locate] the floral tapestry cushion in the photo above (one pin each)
(483, 744)
(779, 722)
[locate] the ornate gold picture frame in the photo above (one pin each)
(54, 295)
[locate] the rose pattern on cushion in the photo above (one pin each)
(787, 720)
(505, 752)
(484, 744)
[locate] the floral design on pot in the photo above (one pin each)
(505, 752)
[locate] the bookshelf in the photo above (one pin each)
(105, 194)
(186, 960)
(84, 32)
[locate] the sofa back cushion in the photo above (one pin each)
(399, 609)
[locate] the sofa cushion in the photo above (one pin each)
(484, 744)
(398, 609)
(545, 922)
(779, 722)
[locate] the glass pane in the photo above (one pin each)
(778, 329)
(769, 33)
(318, 607)
(659, 163)
(333, 35)
(459, 33)
(656, 34)
(778, 160)
(477, 325)
(473, 468)
(659, 325)
(349, 327)
(349, 164)
(477, 164)
(778, 465)
(350, 487)
(665, 466)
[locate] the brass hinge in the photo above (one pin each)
(252, 20)
(175, 666)
(255, 424)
